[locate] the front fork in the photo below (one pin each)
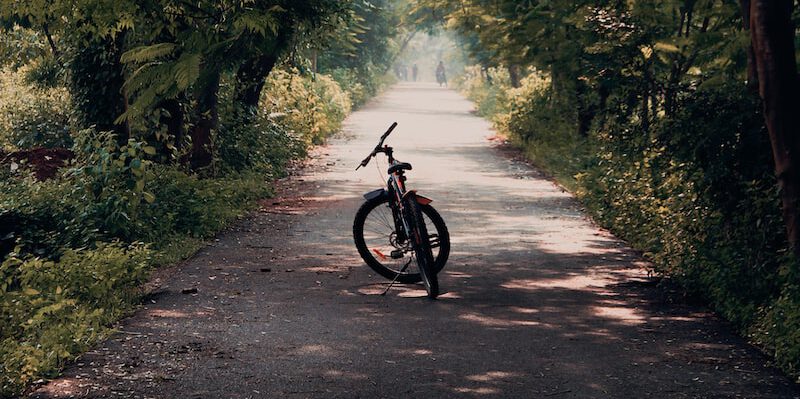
(395, 203)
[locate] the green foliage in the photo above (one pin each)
(256, 143)
(361, 84)
(700, 198)
(210, 39)
(72, 295)
(116, 194)
(708, 163)
(52, 310)
(350, 82)
(95, 82)
(695, 192)
(20, 47)
(642, 108)
(778, 329)
(527, 117)
(312, 109)
(113, 180)
(33, 117)
(359, 50)
(488, 89)
(43, 217)
(194, 207)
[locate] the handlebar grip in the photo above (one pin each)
(377, 149)
(388, 132)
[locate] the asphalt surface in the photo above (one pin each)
(539, 301)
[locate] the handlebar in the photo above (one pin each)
(378, 148)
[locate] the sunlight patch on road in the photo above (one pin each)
(478, 391)
(491, 376)
(67, 388)
(415, 352)
(490, 321)
(626, 315)
(339, 374)
(171, 313)
(315, 349)
(572, 282)
(518, 309)
(416, 292)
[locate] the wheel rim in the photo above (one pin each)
(385, 246)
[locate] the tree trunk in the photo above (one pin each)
(399, 52)
(252, 74)
(96, 82)
(752, 72)
(644, 113)
(772, 34)
(513, 73)
(250, 79)
(173, 119)
(586, 109)
(207, 121)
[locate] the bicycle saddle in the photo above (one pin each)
(399, 166)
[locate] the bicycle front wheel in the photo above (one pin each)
(388, 252)
(420, 243)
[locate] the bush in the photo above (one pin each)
(695, 191)
(255, 142)
(72, 245)
(489, 90)
(527, 117)
(57, 300)
(43, 217)
(189, 206)
(53, 310)
(311, 109)
(33, 117)
(362, 83)
(692, 194)
(350, 81)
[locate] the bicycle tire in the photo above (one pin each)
(388, 268)
(420, 243)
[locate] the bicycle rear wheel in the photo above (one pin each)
(387, 252)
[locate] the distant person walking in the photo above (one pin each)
(414, 72)
(441, 77)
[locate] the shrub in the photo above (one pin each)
(350, 81)
(112, 179)
(33, 117)
(362, 83)
(189, 206)
(528, 118)
(43, 217)
(695, 191)
(255, 142)
(305, 107)
(53, 310)
(72, 245)
(488, 89)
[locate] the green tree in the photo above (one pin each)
(132, 62)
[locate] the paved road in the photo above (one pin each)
(539, 302)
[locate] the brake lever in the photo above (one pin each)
(365, 162)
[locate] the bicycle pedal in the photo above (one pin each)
(397, 254)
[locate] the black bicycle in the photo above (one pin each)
(396, 227)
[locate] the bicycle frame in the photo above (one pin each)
(410, 238)
(396, 192)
